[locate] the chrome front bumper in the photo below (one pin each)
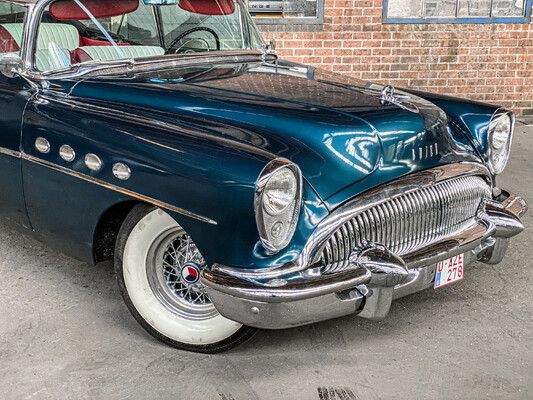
(290, 295)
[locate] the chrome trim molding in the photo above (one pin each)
(365, 201)
(389, 96)
(42, 145)
(296, 293)
(496, 117)
(121, 171)
(106, 185)
(376, 274)
(9, 152)
(67, 153)
(261, 214)
(93, 162)
(29, 39)
(409, 222)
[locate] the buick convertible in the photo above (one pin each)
(234, 190)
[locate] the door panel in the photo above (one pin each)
(13, 99)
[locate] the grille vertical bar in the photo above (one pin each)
(409, 222)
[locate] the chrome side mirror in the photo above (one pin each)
(11, 64)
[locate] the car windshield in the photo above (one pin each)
(72, 32)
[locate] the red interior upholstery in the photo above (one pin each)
(78, 56)
(66, 10)
(7, 42)
(208, 7)
(91, 42)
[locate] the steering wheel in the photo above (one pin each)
(196, 29)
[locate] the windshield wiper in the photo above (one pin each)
(91, 65)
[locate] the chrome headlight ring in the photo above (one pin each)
(500, 136)
(278, 199)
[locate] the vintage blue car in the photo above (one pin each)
(232, 189)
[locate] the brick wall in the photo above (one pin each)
(487, 62)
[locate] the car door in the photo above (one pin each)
(14, 95)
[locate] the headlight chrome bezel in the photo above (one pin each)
(262, 216)
(504, 150)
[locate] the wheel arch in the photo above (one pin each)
(108, 227)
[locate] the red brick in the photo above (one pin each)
(489, 62)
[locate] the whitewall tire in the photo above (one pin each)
(158, 266)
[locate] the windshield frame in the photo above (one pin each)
(31, 30)
(30, 6)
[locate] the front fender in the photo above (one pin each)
(471, 118)
(184, 163)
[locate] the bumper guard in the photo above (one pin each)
(376, 276)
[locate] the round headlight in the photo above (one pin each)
(501, 132)
(280, 191)
(500, 136)
(278, 198)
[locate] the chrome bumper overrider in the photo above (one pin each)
(294, 295)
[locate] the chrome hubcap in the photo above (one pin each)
(173, 268)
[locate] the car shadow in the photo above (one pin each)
(85, 283)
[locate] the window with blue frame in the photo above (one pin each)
(287, 11)
(456, 11)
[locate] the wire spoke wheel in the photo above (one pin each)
(158, 268)
(173, 269)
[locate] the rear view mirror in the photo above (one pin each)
(11, 64)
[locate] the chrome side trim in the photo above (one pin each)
(9, 152)
(127, 192)
(42, 145)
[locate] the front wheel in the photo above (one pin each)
(158, 269)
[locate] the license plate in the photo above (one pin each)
(449, 271)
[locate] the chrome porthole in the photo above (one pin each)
(173, 269)
(121, 171)
(67, 153)
(93, 162)
(42, 145)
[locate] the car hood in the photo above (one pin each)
(339, 130)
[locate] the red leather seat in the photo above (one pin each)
(7, 42)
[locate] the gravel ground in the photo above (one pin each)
(65, 334)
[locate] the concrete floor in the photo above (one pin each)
(65, 333)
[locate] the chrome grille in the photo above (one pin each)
(410, 221)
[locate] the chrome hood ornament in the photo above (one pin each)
(389, 96)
